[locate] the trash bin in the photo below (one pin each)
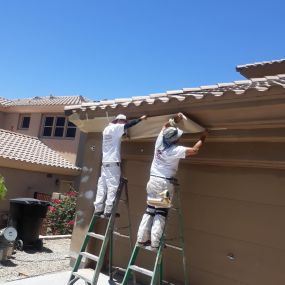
(26, 215)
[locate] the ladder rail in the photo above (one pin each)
(107, 239)
(157, 273)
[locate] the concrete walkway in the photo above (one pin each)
(59, 278)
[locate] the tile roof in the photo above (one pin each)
(261, 63)
(45, 101)
(5, 102)
(217, 90)
(15, 146)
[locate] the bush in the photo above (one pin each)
(61, 214)
(3, 189)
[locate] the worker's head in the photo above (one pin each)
(120, 119)
(171, 135)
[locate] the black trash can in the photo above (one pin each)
(26, 215)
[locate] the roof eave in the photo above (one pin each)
(27, 166)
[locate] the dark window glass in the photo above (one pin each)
(71, 132)
(60, 121)
(71, 124)
(49, 121)
(58, 132)
(47, 131)
(25, 122)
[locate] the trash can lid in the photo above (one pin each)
(29, 201)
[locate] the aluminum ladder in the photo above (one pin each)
(89, 275)
(156, 274)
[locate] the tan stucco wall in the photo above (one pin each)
(229, 207)
(23, 184)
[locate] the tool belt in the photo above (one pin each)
(172, 180)
(163, 202)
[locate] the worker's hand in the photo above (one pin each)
(179, 116)
(144, 117)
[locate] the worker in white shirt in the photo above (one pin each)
(160, 186)
(110, 170)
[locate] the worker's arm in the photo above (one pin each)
(195, 149)
(133, 122)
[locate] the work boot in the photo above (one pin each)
(108, 215)
(144, 243)
(98, 213)
(151, 248)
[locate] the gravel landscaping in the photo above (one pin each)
(53, 258)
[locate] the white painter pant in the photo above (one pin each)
(107, 187)
(153, 221)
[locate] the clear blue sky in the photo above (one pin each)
(123, 48)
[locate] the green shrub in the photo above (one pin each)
(61, 214)
(3, 189)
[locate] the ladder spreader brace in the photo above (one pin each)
(157, 273)
(91, 276)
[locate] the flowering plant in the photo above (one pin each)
(61, 214)
(3, 189)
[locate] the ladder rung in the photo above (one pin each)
(174, 247)
(141, 270)
(89, 255)
(121, 235)
(101, 237)
(86, 274)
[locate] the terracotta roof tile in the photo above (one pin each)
(47, 101)
(5, 102)
(15, 146)
(261, 63)
(237, 87)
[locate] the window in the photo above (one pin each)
(58, 127)
(24, 122)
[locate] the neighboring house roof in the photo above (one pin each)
(221, 89)
(263, 68)
(15, 147)
(47, 101)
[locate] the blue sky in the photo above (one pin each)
(123, 48)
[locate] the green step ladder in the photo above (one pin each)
(157, 274)
(89, 275)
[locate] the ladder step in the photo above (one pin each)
(174, 247)
(121, 235)
(141, 270)
(101, 237)
(89, 255)
(86, 274)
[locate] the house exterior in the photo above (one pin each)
(233, 196)
(43, 117)
(38, 147)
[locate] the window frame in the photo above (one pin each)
(21, 120)
(54, 126)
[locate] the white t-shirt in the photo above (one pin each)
(111, 147)
(165, 161)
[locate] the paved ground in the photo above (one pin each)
(48, 267)
(59, 278)
(53, 258)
